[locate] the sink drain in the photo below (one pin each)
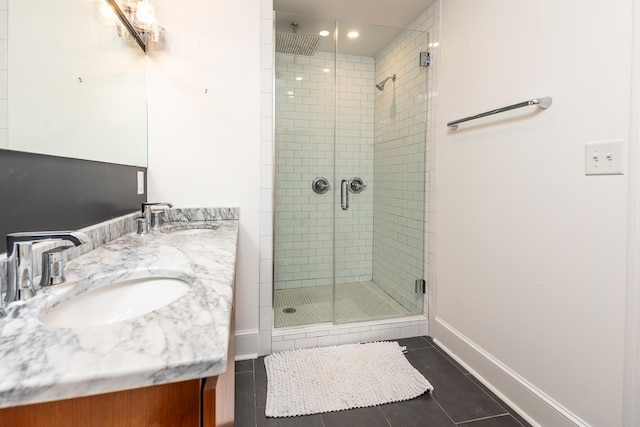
(289, 310)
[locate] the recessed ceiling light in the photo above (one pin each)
(289, 93)
(298, 78)
(326, 70)
(352, 34)
(324, 33)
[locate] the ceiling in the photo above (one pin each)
(377, 21)
(396, 13)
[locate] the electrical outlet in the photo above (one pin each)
(604, 158)
(140, 182)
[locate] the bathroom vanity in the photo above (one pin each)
(171, 365)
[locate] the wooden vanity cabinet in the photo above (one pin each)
(207, 402)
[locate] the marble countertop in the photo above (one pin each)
(184, 340)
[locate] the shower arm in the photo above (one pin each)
(380, 85)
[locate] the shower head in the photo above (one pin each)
(294, 43)
(380, 86)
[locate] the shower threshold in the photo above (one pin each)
(327, 334)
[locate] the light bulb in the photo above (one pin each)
(145, 13)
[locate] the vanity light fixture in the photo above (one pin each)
(352, 34)
(324, 33)
(137, 21)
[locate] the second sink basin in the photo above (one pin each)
(115, 302)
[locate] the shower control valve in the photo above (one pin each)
(357, 185)
(320, 185)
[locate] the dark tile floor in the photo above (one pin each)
(458, 399)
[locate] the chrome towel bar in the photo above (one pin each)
(540, 102)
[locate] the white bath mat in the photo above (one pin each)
(316, 380)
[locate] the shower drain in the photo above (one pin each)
(289, 310)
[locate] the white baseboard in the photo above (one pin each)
(531, 403)
(247, 344)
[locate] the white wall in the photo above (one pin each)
(77, 89)
(204, 125)
(531, 252)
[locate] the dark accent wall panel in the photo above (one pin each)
(40, 192)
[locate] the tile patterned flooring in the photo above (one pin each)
(458, 400)
(354, 302)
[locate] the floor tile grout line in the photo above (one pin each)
(472, 378)
(255, 393)
(443, 410)
(492, 398)
(384, 415)
(462, 423)
(446, 356)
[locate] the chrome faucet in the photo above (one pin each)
(19, 263)
(146, 208)
(146, 213)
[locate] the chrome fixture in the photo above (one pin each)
(543, 103)
(156, 219)
(320, 185)
(295, 43)
(357, 185)
(344, 194)
(3, 277)
(142, 226)
(147, 221)
(20, 284)
(354, 185)
(425, 59)
(53, 266)
(137, 21)
(380, 86)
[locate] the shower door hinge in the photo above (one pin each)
(425, 59)
(421, 286)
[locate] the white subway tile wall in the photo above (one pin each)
(354, 158)
(304, 130)
(400, 147)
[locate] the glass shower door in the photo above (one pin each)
(350, 142)
(380, 172)
(304, 176)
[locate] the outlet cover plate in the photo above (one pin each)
(605, 158)
(140, 182)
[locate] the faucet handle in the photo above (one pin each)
(53, 266)
(3, 287)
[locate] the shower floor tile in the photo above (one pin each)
(354, 302)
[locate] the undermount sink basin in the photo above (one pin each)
(115, 302)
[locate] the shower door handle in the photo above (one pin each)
(344, 194)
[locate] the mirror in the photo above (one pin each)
(75, 89)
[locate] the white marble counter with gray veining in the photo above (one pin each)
(184, 340)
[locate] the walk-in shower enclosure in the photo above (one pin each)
(350, 171)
